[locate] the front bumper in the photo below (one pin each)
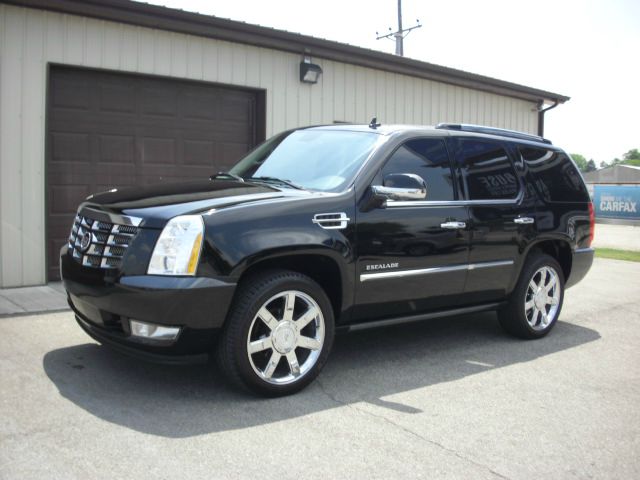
(104, 303)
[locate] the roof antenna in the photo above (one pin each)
(373, 123)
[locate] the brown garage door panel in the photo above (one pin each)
(109, 130)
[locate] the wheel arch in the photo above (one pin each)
(560, 249)
(323, 268)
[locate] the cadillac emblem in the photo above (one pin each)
(85, 242)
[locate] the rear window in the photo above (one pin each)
(556, 177)
(487, 170)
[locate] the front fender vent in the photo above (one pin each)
(331, 221)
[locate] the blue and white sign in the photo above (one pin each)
(617, 201)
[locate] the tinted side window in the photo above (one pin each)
(556, 178)
(487, 170)
(427, 158)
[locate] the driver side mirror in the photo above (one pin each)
(400, 186)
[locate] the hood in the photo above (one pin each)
(157, 204)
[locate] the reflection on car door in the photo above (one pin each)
(502, 215)
(412, 255)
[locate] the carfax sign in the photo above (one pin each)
(617, 201)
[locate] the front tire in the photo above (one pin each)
(536, 302)
(278, 334)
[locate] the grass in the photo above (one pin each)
(618, 254)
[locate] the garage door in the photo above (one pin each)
(109, 130)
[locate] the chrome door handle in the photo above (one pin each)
(524, 220)
(453, 225)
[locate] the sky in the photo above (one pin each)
(588, 50)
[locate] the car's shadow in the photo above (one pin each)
(364, 367)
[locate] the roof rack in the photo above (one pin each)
(492, 131)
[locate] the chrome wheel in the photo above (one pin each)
(286, 337)
(542, 298)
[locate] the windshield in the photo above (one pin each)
(325, 160)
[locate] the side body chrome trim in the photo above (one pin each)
(331, 221)
(455, 203)
(427, 271)
(497, 263)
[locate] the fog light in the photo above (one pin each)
(152, 331)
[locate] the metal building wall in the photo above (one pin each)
(31, 39)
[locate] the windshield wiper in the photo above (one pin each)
(278, 180)
(227, 174)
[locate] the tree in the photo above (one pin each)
(613, 162)
(632, 157)
(581, 162)
(632, 154)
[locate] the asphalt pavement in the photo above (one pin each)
(449, 398)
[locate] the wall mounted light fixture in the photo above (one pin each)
(309, 72)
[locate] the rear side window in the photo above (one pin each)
(487, 170)
(556, 177)
(427, 158)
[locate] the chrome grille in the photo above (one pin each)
(107, 245)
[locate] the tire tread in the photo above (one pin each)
(512, 318)
(249, 290)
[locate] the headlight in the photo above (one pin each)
(177, 250)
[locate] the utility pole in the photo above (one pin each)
(399, 34)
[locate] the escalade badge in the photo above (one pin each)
(382, 266)
(85, 242)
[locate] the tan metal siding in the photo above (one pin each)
(12, 160)
(31, 39)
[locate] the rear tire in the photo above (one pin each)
(278, 334)
(536, 301)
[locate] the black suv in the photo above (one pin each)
(331, 228)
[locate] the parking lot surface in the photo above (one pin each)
(620, 237)
(449, 398)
